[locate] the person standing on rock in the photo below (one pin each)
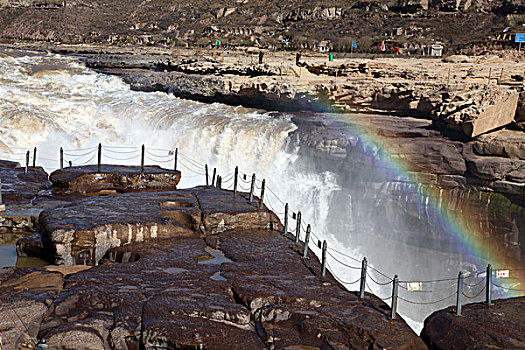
(297, 58)
(261, 55)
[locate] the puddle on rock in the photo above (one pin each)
(8, 256)
(173, 270)
(125, 289)
(217, 257)
(176, 204)
(30, 262)
(218, 277)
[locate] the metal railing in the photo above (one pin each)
(240, 181)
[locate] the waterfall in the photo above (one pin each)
(49, 101)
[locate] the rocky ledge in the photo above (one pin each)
(455, 121)
(481, 326)
(18, 190)
(463, 99)
(199, 268)
(491, 162)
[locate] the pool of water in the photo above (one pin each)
(8, 256)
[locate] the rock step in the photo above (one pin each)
(93, 225)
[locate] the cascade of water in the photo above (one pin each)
(52, 102)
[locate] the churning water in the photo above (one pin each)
(51, 102)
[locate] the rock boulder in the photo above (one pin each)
(502, 143)
(475, 112)
(119, 178)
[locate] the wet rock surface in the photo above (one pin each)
(19, 188)
(172, 298)
(246, 287)
(295, 309)
(26, 295)
(18, 192)
(120, 178)
(498, 326)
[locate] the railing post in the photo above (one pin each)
(206, 171)
(395, 284)
(219, 181)
(261, 199)
(34, 157)
(285, 219)
(61, 158)
(306, 241)
(235, 180)
(142, 158)
(459, 300)
(323, 259)
(298, 228)
(362, 286)
(176, 159)
(213, 177)
(2, 205)
(27, 162)
(99, 156)
(488, 286)
(252, 188)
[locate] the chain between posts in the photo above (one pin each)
(219, 181)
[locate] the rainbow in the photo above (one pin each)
(461, 228)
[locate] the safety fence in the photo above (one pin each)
(468, 285)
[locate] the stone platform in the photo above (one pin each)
(93, 225)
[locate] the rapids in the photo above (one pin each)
(50, 101)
